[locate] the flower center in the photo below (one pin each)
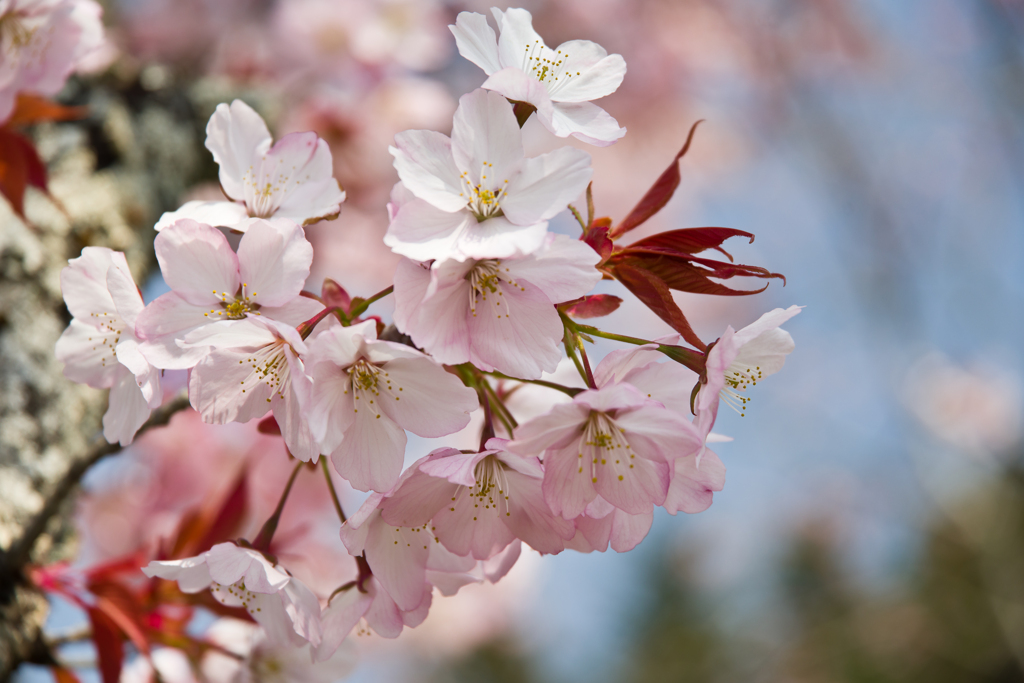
(547, 66)
(603, 441)
(484, 199)
(14, 33)
(234, 307)
(269, 365)
(737, 379)
(109, 326)
(367, 382)
(491, 490)
(485, 279)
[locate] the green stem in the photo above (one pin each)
(262, 542)
(362, 306)
(694, 360)
(501, 409)
(579, 218)
(571, 391)
(334, 493)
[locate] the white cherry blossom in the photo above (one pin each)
(99, 347)
(242, 577)
(559, 82)
(476, 194)
(290, 179)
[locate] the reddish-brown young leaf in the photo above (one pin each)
(13, 170)
(593, 306)
(122, 608)
(62, 675)
(109, 645)
(597, 238)
(691, 240)
(335, 296)
(659, 194)
(686, 273)
(30, 109)
(227, 523)
(658, 297)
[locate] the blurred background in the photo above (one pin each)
(872, 524)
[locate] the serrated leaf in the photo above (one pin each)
(658, 297)
(659, 194)
(109, 645)
(691, 240)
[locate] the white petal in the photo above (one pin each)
(88, 355)
(476, 41)
(84, 284)
(371, 453)
(589, 72)
(585, 121)
(564, 269)
(499, 238)
(128, 410)
(422, 232)
(546, 185)
(427, 400)
(517, 37)
(486, 140)
(424, 161)
(514, 84)
(226, 214)
(236, 136)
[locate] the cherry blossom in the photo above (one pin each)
(476, 195)
(242, 577)
(740, 360)
(211, 284)
(367, 392)
(290, 179)
(603, 525)
(696, 476)
(495, 313)
(560, 83)
(254, 367)
(99, 347)
(613, 442)
(260, 659)
(41, 41)
(478, 503)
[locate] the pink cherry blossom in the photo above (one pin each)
(613, 442)
(242, 577)
(740, 360)
(99, 347)
(41, 41)
(291, 179)
(696, 476)
(495, 313)
(252, 367)
(476, 195)
(603, 524)
(478, 503)
(560, 83)
(211, 284)
(366, 393)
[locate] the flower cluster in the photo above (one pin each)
(487, 300)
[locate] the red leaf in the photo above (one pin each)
(62, 675)
(32, 109)
(650, 289)
(334, 295)
(229, 518)
(659, 194)
(686, 273)
(593, 306)
(13, 170)
(597, 238)
(109, 646)
(692, 240)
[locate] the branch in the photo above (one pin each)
(17, 555)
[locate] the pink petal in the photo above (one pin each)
(514, 84)
(567, 486)
(693, 486)
(564, 268)
(498, 238)
(197, 263)
(558, 428)
(428, 400)
(128, 409)
(192, 573)
(84, 284)
(473, 526)
(529, 518)
(417, 500)
(423, 232)
(371, 453)
(630, 482)
(226, 387)
(88, 355)
(398, 558)
(274, 262)
(339, 618)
